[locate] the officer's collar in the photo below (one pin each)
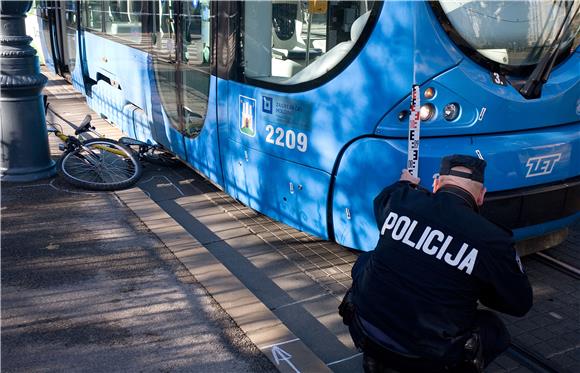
(460, 193)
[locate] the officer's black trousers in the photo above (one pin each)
(495, 338)
(493, 334)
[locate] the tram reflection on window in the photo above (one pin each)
(515, 33)
(123, 19)
(303, 40)
(93, 15)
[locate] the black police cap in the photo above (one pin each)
(476, 165)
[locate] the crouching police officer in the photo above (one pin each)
(413, 303)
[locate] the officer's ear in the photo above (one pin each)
(481, 196)
(436, 183)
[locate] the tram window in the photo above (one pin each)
(41, 9)
(70, 14)
(196, 38)
(163, 50)
(303, 40)
(181, 49)
(514, 34)
(123, 19)
(92, 15)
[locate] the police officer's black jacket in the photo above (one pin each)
(436, 257)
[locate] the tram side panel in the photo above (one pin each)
(283, 146)
(118, 80)
(263, 160)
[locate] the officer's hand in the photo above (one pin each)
(406, 176)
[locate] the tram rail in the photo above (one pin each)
(557, 264)
(532, 360)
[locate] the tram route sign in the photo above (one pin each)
(414, 132)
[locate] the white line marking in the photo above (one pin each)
(563, 351)
(302, 301)
(345, 359)
(282, 356)
(64, 190)
(166, 178)
(148, 180)
(279, 344)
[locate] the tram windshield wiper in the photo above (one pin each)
(532, 87)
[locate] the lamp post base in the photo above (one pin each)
(22, 175)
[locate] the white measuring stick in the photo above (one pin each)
(414, 132)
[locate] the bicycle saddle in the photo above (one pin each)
(85, 125)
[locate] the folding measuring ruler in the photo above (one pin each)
(414, 132)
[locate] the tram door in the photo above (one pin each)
(59, 31)
(182, 49)
(47, 13)
(69, 17)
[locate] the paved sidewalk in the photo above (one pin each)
(86, 287)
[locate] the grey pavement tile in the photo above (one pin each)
(520, 369)
(564, 361)
(338, 288)
(506, 362)
(200, 230)
(299, 355)
(352, 364)
(275, 291)
(325, 343)
(493, 368)
(159, 187)
(203, 209)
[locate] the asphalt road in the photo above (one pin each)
(86, 287)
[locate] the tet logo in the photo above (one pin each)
(542, 165)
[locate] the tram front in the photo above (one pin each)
(512, 97)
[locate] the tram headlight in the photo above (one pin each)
(451, 111)
(429, 93)
(426, 112)
(403, 115)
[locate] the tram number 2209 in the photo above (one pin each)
(287, 139)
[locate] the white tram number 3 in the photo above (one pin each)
(287, 139)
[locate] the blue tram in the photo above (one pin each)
(299, 109)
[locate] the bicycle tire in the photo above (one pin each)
(93, 167)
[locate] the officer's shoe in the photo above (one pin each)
(473, 362)
(346, 308)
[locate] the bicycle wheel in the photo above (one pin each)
(100, 164)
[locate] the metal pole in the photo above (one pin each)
(24, 152)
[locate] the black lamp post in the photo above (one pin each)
(24, 154)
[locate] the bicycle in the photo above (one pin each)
(96, 163)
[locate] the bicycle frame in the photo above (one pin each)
(71, 140)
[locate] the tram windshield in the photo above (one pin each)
(514, 33)
(294, 41)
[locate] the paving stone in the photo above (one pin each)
(325, 339)
(506, 362)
